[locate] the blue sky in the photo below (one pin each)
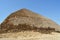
(48, 8)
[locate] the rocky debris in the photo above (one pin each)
(25, 19)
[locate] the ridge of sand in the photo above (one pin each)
(30, 35)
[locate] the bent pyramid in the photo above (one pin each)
(25, 19)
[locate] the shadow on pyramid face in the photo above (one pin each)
(24, 27)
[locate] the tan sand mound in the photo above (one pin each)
(27, 25)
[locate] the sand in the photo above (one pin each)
(30, 35)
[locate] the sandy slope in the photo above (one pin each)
(30, 36)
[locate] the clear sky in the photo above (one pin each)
(48, 8)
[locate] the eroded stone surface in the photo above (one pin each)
(29, 18)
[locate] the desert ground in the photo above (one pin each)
(29, 35)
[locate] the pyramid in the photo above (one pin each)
(25, 19)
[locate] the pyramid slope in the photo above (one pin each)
(25, 16)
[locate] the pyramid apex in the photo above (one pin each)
(24, 9)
